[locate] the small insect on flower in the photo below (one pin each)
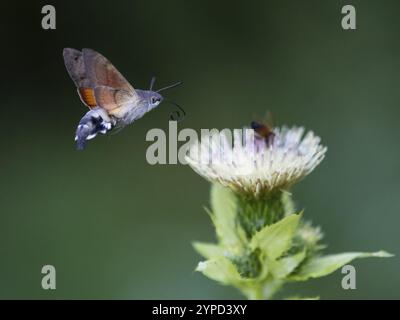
(263, 131)
(112, 101)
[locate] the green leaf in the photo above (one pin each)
(322, 266)
(220, 269)
(276, 239)
(224, 271)
(208, 250)
(224, 206)
(283, 267)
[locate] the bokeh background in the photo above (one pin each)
(115, 226)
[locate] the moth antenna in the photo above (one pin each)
(152, 81)
(170, 86)
(177, 115)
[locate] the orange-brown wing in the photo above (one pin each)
(115, 101)
(87, 96)
(101, 72)
(74, 63)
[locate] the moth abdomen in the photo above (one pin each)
(90, 125)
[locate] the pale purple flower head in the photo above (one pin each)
(249, 164)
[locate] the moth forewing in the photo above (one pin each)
(73, 60)
(101, 72)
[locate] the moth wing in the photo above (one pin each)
(101, 72)
(115, 101)
(87, 96)
(74, 63)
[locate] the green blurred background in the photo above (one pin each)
(116, 227)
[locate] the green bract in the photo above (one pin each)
(262, 245)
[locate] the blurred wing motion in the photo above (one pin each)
(100, 86)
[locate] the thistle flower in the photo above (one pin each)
(256, 166)
(263, 242)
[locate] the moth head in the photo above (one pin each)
(155, 99)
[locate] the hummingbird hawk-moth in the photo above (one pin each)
(112, 101)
